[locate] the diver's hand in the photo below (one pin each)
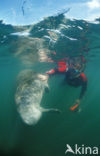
(77, 101)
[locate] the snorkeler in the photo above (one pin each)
(73, 70)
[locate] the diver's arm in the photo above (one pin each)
(83, 89)
(52, 71)
(77, 102)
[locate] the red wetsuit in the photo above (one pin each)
(62, 68)
(81, 80)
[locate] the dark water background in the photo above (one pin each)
(18, 52)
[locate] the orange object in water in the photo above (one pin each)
(74, 107)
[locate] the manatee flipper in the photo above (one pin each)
(52, 110)
(47, 89)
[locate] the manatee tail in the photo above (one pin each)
(52, 110)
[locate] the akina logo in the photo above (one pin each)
(81, 150)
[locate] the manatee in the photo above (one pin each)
(30, 89)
